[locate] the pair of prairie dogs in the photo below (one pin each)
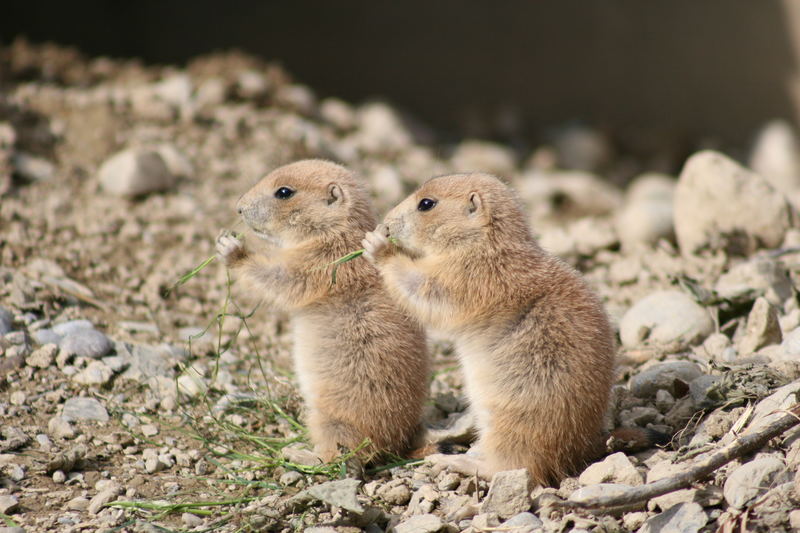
(535, 345)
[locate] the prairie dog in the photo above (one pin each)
(534, 342)
(361, 361)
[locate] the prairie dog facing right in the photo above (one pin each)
(360, 360)
(534, 342)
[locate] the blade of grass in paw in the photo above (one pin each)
(349, 257)
(193, 272)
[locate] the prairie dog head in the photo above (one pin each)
(305, 200)
(457, 213)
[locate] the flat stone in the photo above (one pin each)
(102, 498)
(341, 493)
(763, 328)
(522, 523)
(663, 376)
(424, 523)
(771, 408)
(616, 468)
(752, 479)
(509, 493)
(665, 319)
(712, 194)
(8, 503)
(681, 518)
(646, 216)
(776, 156)
(6, 321)
(146, 361)
(95, 373)
(59, 428)
(86, 343)
(46, 336)
(72, 326)
(701, 390)
(81, 408)
(761, 276)
(134, 172)
(394, 493)
(43, 357)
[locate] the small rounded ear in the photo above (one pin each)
(335, 194)
(475, 206)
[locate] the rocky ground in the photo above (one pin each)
(124, 407)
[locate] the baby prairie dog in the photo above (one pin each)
(361, 361)
(534, 342)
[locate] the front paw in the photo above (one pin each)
(376, 244)
(230, 249)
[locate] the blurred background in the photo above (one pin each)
(658, 79)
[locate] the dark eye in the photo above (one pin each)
(426, 204)
(283, 193)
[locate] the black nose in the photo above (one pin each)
(239, 210)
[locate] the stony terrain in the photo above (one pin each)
(128, 407)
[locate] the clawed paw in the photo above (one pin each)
(229, 247)
(376, 244)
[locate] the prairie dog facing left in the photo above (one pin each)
(534, 342)
(360, 360)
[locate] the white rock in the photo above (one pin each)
(338, 113)
(381, 129)
(522, 523)
(484, 156)
(791, 343)
(681, 518)
(762, 328)
(646, 216)
(60, 428)
(757, 277)
(776, 156)
(8, 503)
(43, 357)
(84, 409)
(102, 498)
(509, 493)
(95, 373)
(134, 172)
(175, 90)
(424, 523)
(752, 479)
(663, 376)
(616, 468)
(567, 195)
(177, 163)
(86, 343)
(34, 168)
(252, 84)
(341, 493)
(773, 406)
(715, 345)
(720, 204)
(666, 319)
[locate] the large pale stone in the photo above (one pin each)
(721, 205)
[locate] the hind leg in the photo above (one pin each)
(331, 436)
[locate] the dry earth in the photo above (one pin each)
(115, 179)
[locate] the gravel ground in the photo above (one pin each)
(125, 407)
